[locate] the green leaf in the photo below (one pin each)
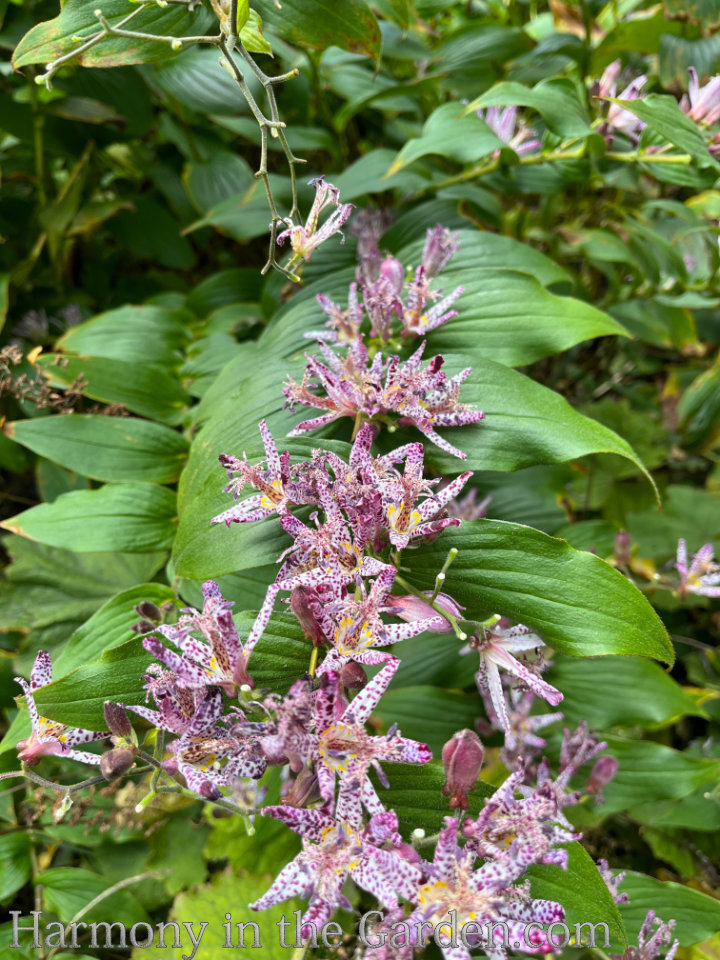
(448, 132)
(252, 37)
(697, 916)
(77, 698)
(110, 626)
(15, 867)
(320, 24)
(135, 517)
(582, 892)
(105, 448)
(415, 794)
(641, 692)
(227, 893)
(243, 12)
(662, 113)
(150, 391)
(555, 100)
(4, 297)
(56, 38)
(282, 653)
(577, 602)
(429, 714)
(513, 319)
(66, 890)
(649, 771)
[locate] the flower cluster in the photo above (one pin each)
(348, 523)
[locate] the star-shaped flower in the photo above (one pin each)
(702, 576)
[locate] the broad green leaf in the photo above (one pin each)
(662, 113)
(429, 714)
(433, 659)
(649, 771)
(150, 391)
(641, 692)
(110, 626)
(105, 448)
(136, 517)
(449, 133)
(14, 863)
(282, 654)
(320, 24)
(66, 890)
(696, 915)
(583, 893)
(77, 698)
(210, 181)
(55, 38)
(415, 794)
(513, 319)
(525, 424)
(555, 100)
(4, 297)
(576, 602)
(208, 904)
(243, 12)
(146, 334)
(194, 80)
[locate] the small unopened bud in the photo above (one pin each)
(149, 611)
(603, 771)
(117, 720)
(410, 608)
(305, 789)
(462, 758)
(440, 246)
(176, 44)
(352, 676)
(306, 607)
(394, 272)
(143, 626)
(116, 762)
(622, 548)
(418, 833)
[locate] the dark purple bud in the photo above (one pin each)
(352, 676)
(394, 272)
(622, 548)
(305, 789)
(116, 762)
(208, 791)
(462, 758)
(117, 720)
(143, 626)
(602, 773)
(305, 605)
(149, 611)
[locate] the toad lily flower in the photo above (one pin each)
(619, 119)
(651, 945)
(49, 738)
(481, 896)
(305, 239)
(702, 104)
(346, 749)
(332, 851)
(702, 576)
(519, 137)
(219, 658)
(496, 646)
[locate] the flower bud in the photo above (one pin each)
(117, 720)
(352, 676)
(603, 771)
(305, 605)
(143, 626)
(149, 611)
(394, 272)
(440, 246)
(622, 548)
(305, 789)
(116, 762)
(411, 608)
(462, 758)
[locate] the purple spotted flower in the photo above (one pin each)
(521, 736)
(702, 103)
(49, 738)
(483, 895)
(346, 750)
(702, 575)
(332, 851)
(652, 943)
(497, 646)
(305, 239)
(619, 119)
